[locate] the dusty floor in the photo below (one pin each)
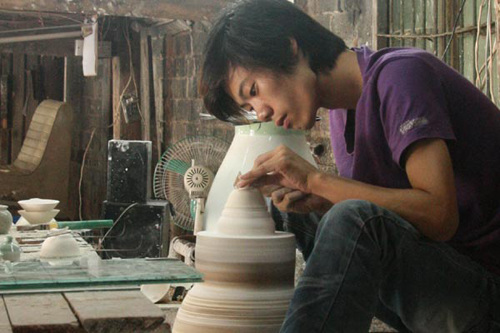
(377, 325)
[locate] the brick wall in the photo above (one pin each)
(183, 105)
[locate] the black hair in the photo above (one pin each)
(257, 34)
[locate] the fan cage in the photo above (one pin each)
(207, 151)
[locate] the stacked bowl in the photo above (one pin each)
(38, 211)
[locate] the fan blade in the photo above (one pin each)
(177, 166)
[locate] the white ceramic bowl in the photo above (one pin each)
(162, 293)
(38, 205)
(39, 217)
(156, 292)
(60, 247)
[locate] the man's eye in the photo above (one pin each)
(253, 91)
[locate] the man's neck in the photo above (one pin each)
(341, 87)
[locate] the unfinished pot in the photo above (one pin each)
(248, 270)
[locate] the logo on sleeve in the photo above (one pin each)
(412, 123)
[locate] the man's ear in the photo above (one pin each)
(294, 46)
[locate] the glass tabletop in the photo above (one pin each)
(91, 271)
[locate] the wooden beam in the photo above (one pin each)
(55, 48)
(170, 9)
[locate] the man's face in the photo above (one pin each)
(288, 100)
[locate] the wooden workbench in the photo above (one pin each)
(76, 311)
(92, 311)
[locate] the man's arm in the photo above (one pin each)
(430, 205)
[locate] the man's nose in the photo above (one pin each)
(264, 114)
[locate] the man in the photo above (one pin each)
(411, 232)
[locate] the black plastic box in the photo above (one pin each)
(142, 230)
(129, 171)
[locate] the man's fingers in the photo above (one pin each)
(259, 182)
(268, 190)
(278, 195)
(295, 196)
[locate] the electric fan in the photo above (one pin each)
(184, 174)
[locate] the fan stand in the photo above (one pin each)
(198, 218)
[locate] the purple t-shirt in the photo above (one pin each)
(409, 95)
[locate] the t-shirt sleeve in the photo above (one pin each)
(412, 105)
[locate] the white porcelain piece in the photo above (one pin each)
(38, 205)
(248, 270)
(249, 282)
(22, 221)
(60, 247)
(10, 250)
(245, 213)
(248, 143)
(5, 220)
(156, 293)
(39, 217)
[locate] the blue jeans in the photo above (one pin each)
(364, 261)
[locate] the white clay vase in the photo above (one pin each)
(5, 220)
(248, 143)
(248, 271)
(10, 251)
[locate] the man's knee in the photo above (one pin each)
(347, 215)
(350, 217)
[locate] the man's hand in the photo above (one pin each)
(280, 166)
(294, 201)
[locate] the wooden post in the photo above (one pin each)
(4, 115)
(18, 88)
(116, 99)
(157, 46)
(497, 27)
(145, 92)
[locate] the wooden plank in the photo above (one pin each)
(55, 48)
(117, 119)
(41, 313)
(18, 94)
(4, 318)
(145, 91)
(173, 9)
(115, 311)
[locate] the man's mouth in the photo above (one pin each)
(286, 124)
(280, 121)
